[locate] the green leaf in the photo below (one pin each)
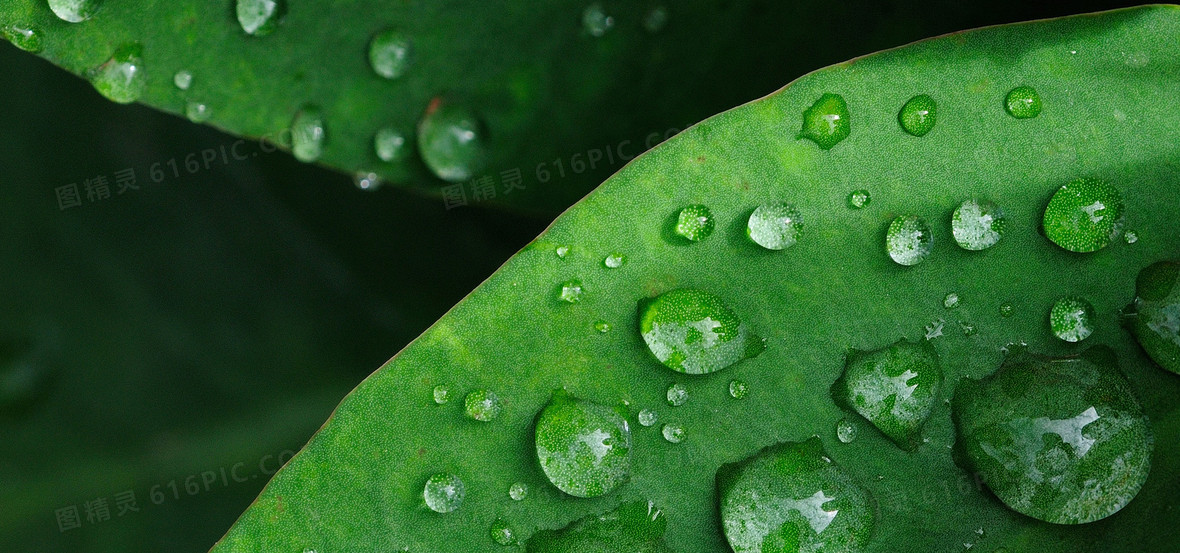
(1107, 84)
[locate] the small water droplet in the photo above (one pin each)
(596, 21)
(502, 533)
(197, 112)
(74, 11)
(120, 79)
(967, 328)
(673, 433)
(1138, 59)
(693, 332)
(1072, 319)
(482, 405)
(571, 291)
(677, 395)
(614, 261)
(390, 145)
(1023, 102)
(561, 251)
(390, 54)
(790, 497)
(366, 180)
(647, 417)
(182, 79)
(308, 134)
(656, 19)
(602, 326)
(978, 225)
(1084, 215)
(775, 226)
(260, 17)
(695, 222)
(452, 141)
(518, 491)
(584, 448)
(827, 121)
(1130, 237)
(894, 388)
(1006, 309)
(951, 301)
(24, 37)
(918, 115)
(737, 389)
(845, 431)
(444, 492)
(442, 394)
(908, 240)
(859, 199)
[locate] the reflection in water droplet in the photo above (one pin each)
(647, 417)
(596, 21)
(1023, 102)
(775, 226)
(452, 141)
(978, 225)
(260, 17)
(1084, 215)
(182, 79)
(571, 291)
(737, 389)
(444, 492)
(859, 199)
(518, 491)
(673, 433)
(308, 134)
(390, 54)
(482, 405)
(691, 331)
(74, 11)
(827, 121)
(918, 115)
(695, 222)
(894, 388)
(908, 240)
(584, 448)
(24, 37)
(120, 79)
(1072, 319)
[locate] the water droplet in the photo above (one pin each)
(26, 376)
(656, 19)
(1023, 102)
(1084, 215)
(918, 115)
(845, 431)
(390, 145)
(951, 301)
(441, 394)
(636, 526)
(390, 54)
(366, 180)
(737, 389)
(677, 395)
(614, 261)
(691, 331)
(444, 492)
(74, 11)
(1006, 309)
(695, 222)
(561, 251)
(674, 433)
(571, 291)
(1072, 319)
(308, 134)
(1060, 440)
(1157, 321)
(775, 226)
(894, 388)
(967, 328)
(1130, 237)
(908, 240)
(978, 225)
(197, 112)
(502, 533)
(790, 497)
(518, 491)
(859, 199)
(24, 37)
(260, 17)
(596, 21)
(120, 79)
(182, 79)
(584, 448)
(647, 417)
(451, 141)
(602, 326)
(827, 121)
(482, 405)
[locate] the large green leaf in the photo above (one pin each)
(1108, 85)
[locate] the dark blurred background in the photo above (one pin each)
(164, 348)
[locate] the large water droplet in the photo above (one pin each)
(692, 331)
(845, 431)
(859, 199)
(391, 145)
(978, 225)
(260, 17)
(695, 222)
(1060, 440)
(390, 54)
(451, 141)
(24, 37)
(1023, 102)
(673, 433)
(1072, 319)
(775, 226)
(908, 240)
(677, 395)
(647, 417)
(596, 21)
(482, 405)
(827, 121)
(308, 134)
(518, 491)
(182, 79)
(584, 448)
(790, 498)
(120, 78)
(571, 291)
(197, 112)
(502, 533)
(634, 527)
(918, 115)
(1157, 322)
(74, 11)
(1084, 215)
(444, 492)
(894, 388)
